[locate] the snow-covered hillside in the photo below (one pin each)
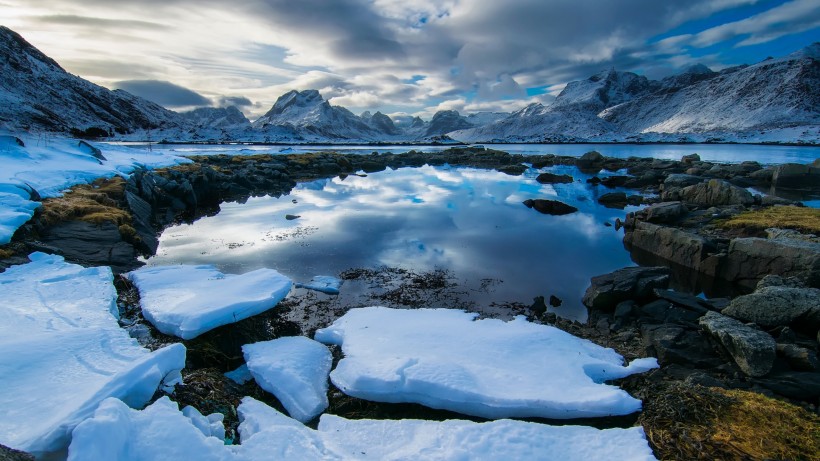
(777, 100)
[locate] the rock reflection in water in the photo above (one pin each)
(469, 222)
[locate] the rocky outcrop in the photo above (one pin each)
(629, 283)
(777, 306)
(716, 192)
(681, 180)
(10, 454)
(92, 245)
(752, 350)
(591, 161)
(685, 248)
(750, 259)
(551, 207)
(550, 178)
(665, 212)
(796, 176)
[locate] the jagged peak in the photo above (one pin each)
(296, 98)
(811, 51)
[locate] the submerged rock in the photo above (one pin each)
(752, 350)
(551, 207)
(550, 178)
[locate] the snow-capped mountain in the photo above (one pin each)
(36, 93)
(774, 98)
(445, 121)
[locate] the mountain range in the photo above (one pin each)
(776, 100)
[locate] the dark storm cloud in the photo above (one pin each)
(163, 93)
(238, 101)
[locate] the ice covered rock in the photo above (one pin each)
(447, 359)
(63, 352)
(162, 432)
(295, 370)
(186, 301)
(241, 375)
(324, 283)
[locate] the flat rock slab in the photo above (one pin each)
(447, 359)
(186, 301)
(162, 432)
(63, 352)
(752, 350)
(295, 370)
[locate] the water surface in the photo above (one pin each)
(469, 222)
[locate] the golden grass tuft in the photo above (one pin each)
(94, 203)
(785, 217)
(685, 422)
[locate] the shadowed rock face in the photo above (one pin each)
(777, 307)
(629, 283)
(551, 207)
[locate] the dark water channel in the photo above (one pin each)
(465, 229)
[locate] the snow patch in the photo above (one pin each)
(322, 283)
(447, 359)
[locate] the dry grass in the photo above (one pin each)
(698, 423)
(6, 253)
(94, 203)
(785, 217)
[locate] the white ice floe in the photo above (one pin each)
(49, 165)
(295, 370)
(62, 352)
(323, 283)
(186, 301)
(162, 432)
(241, 375)
(447, 359)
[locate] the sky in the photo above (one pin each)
(396, 56)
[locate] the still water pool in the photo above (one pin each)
(468, 222)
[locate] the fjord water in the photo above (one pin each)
(722, 153)
(469, 222)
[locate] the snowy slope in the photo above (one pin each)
(36, 93)
(775, 93)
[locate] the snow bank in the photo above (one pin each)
(50, 165)
(62, 352)
(187, 301)
(295, 370)
(323, 283)
(162, 432)
(447, 359)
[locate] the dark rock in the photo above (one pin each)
(634, 200)
(793, 384)
(10, 454)
(141, 214)
(592, 160)
(798, 358)
(778, 281)
(291, 217)
(665, 212)
(624, 309)
(750, 259)
(551, 207)
(92, 245)
(716, 193)
(692, 303)
(689, 159)
(615, 181)
(549, 178)
(594, 180)
(629, 283)
(678, 344)
(752, 350)
(13, 140)
(613, 200)
(514, 170)
(796, 176)
(555, 301)
(538, 306)
(681, 180)
(662, 311)
(89, 149)
(771, 200)
(777, 306)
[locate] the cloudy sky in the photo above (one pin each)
(397, 56)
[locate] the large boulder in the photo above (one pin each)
(550, 178)
(665, 212)
(750, 259)
(796, 176)
(716, 192)
(592, 161)
(629, 283)
(681, 180)
(774, 306)
(613, 200)
(754, 351)
(669, 243)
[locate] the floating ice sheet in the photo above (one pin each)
(162, 432)
(323, 283)
(62, 352)
(447, 359)
(295, 370)
(186, 301)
